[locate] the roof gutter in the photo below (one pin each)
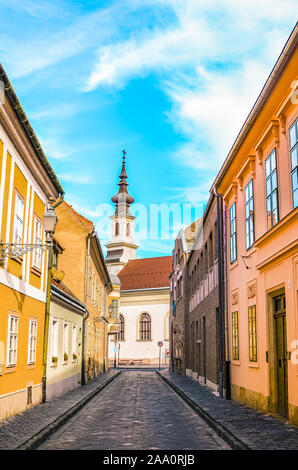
(22, 117)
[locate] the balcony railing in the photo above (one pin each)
(206, 286)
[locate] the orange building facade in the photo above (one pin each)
(87, 276)
(258, 183)
(26, 184)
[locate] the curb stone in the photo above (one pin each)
(227, 435)
(34, 441)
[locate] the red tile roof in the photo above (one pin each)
(146, 273)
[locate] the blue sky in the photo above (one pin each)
(171, 81)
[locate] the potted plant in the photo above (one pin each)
(54, 360)
(65, 357)
(74, 357)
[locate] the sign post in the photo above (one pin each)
(118, 352)
(115, 351)
(159, 344)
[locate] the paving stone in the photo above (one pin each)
(136, 411)
(18, 429)
(258, 431)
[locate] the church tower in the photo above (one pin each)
(121, 248)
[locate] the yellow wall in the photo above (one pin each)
(17, 378)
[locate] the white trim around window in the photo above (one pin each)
(18, 219)
(32, 341)
(36, 256)
(12, 340)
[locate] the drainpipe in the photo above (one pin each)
(220, 291)
(227, 349)
(83, 379)
(47, 313)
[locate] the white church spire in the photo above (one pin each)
(121, 247)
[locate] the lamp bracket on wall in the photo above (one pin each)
(244, 261)
(16, 250)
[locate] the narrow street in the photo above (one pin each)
(136, 411)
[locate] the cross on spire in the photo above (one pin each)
(124, 154)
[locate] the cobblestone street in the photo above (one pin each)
(136, 411)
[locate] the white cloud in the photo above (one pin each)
(209, 64)
(77, 178)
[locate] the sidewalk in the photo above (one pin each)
(31, 427)
(240, 426)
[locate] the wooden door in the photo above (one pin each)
(281, 355)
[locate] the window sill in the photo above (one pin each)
(10, 369)
(144, 340)
(233, 265)
(253, 365)
(236, 363)
(31, 365)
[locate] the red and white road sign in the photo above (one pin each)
(160, 344)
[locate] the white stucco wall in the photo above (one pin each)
(155, 303)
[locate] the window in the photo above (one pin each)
(32, 341)
(12, 340)
(145, 327)
(294, 161)
(36, 261)
(235, 337)
(252, 333)
(116, 229)
(65, 341)
(120, 335)
(74, 341)
(128, 230)
(54, 338)
(249, 214)
(18, 220)
(271, 190)
(233, 233)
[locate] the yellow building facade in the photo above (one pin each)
(26, 183)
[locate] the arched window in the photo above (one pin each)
(128, 230)
(120, 335)
(116, 229)
(145, 327)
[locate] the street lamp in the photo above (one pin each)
(50, 220)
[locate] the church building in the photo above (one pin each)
(144, 290)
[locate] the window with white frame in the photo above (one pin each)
(18, 220)
(271, 190)
(12, 340)
(249, 214)
(74, 341)
(293, 131)
(36, 259)
(65, 341)
(54, 339)
(233, 233)
(32, 341)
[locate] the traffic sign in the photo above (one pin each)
(160, 344)
(116, 349)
